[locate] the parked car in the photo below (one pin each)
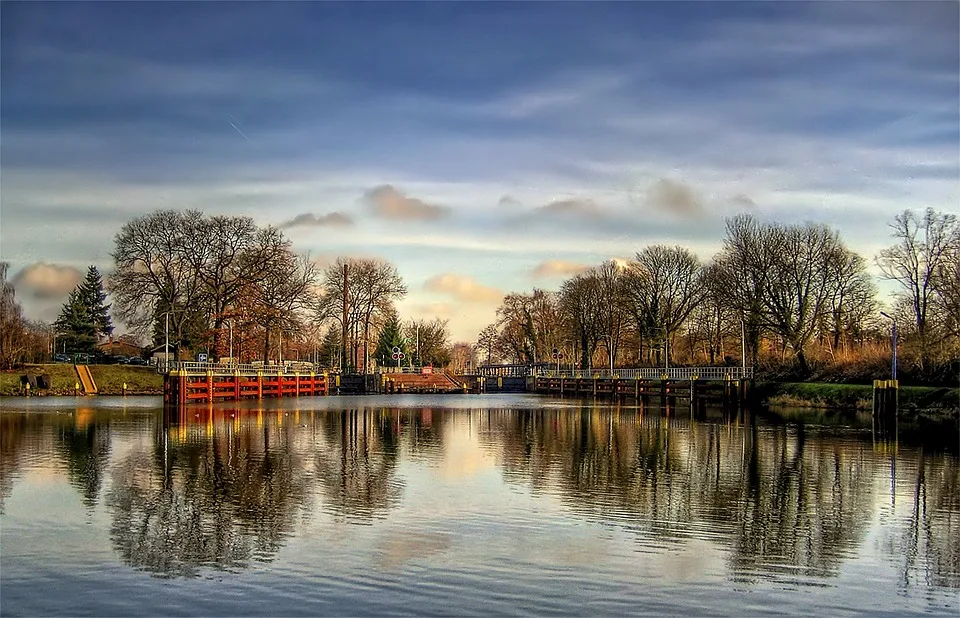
(136, 360)
(61, 358)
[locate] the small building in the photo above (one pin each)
(119, 348)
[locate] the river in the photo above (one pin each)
(473, 504)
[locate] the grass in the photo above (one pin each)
(109, 379)
(854, 396)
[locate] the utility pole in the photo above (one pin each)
(343, 339)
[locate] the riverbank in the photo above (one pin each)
(852, 396)
(63, 379)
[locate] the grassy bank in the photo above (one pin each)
(853, 396)
(109, 379)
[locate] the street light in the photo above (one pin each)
(893, 345)
(231, 340)
(666, 350)
(166, 341)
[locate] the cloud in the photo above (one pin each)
(389, 203)
(47, 281)
(741, 199)
(558, 268)
(508, 200)
(330, 219)
(463, 288)
(674, 197)
(576, 207)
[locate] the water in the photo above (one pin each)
(495, 504)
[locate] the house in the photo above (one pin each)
(118, 347)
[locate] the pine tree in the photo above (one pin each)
(75, 326)
(92, 295)
(391, 336)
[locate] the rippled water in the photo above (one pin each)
(463, 505)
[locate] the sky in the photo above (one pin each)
(482, 148)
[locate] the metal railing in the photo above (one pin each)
(653, 373)
(241, 368)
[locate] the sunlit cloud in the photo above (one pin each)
(389, 203)
(558, 268)
(47, 281)
(463, 288)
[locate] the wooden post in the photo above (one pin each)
(259, 384)
(236, 385)
(209, 386)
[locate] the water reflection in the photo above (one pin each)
(222, 488)
(215, 490)
(788, 505)
(356, 463)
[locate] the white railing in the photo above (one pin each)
(241, 368)
(654, 373)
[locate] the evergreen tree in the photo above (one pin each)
(75, 328)
(92, 295)
(391, 336)
(330, 347)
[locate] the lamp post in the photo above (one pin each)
(666, 350)
(231, 339)
(893, 345)
(166, 341)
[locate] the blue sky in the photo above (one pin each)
(483, 148)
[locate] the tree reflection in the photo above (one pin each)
(356, 466)
(784, 505)
(84, 446)
(219, 489)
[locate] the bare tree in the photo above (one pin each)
(662, 287)
(526, 323)
(487, 342)
(229, 253)
(12, 326)
(744, 271)
(851, 295)
(280, 297)
(374, 285)
(153, 273)
(922, 249)
(428, 341)
(798, 291)
(580, 304)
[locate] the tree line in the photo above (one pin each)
(794, 297)
(223, 283)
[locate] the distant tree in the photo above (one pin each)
(487, 342)
(430, 342)
(330, 347)
(923, 248)
(662, 287)
(75, 326)
(391, 336)
(580, 304)
(373, 286)
(12, 325)
(93, 296)
(462, 357)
